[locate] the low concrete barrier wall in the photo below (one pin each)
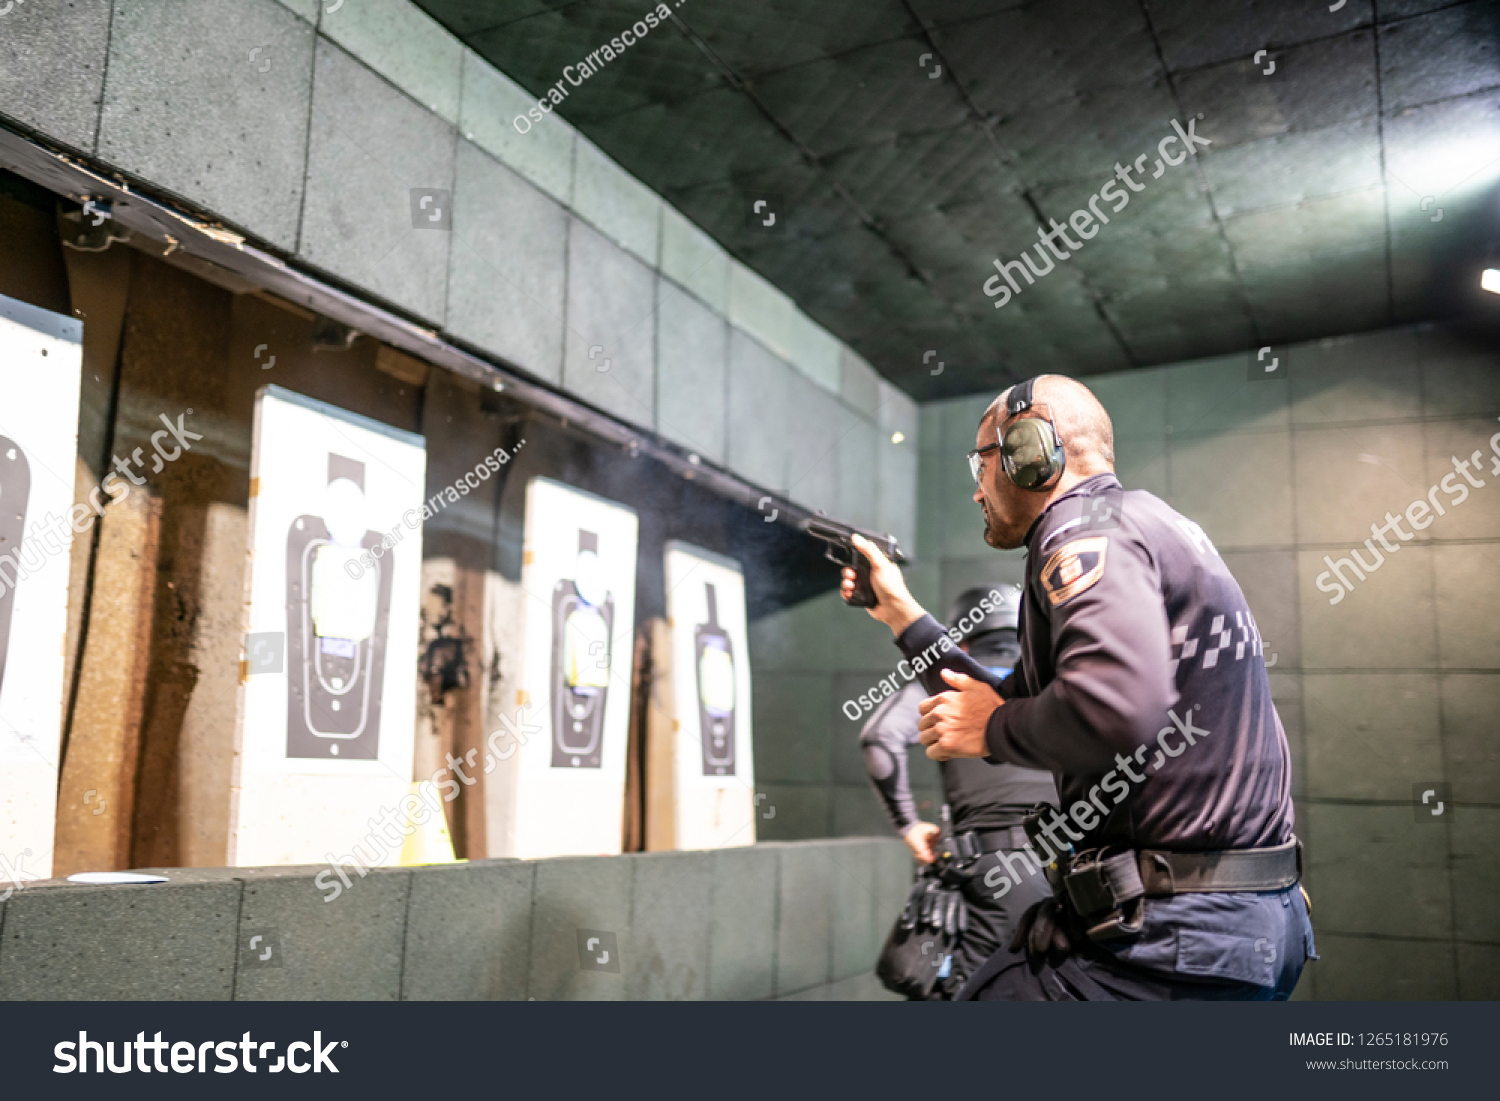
(779, 920)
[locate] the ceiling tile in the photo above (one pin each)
(801, 200)
(1319, 229)
(1197, 337)
(911, 174)
(769, 35)
(937, 13)
(1392, 10)
(1446, 53)
(466, 17)
(967, 240)
(1098, 130)
(534, 52)
(1116, 265)
(713, 136)
(1048, 53)
(1443, 170)
(1195, 32)
(859, 98)
(1309, 87)
(887, 233)
(1294, 167)
(1448, 150)
(1179, 199)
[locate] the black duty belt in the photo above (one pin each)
(972, 844)
(1106, 889)
(1164, 874)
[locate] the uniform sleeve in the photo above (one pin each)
(928, 649)
(890, 731)
(1013, 686)
(1111, 652)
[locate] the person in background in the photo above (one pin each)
(986, 803)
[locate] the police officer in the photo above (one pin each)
(1142, 687)
(987, 804)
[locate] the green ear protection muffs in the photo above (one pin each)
(1031, 453)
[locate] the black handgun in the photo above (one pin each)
(841, 550)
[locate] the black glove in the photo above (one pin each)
(1042, 930)
(942, 911)
(956, 918)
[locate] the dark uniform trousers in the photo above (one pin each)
(1094, 973)
(993, 920)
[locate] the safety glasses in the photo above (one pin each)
(976, 459)
(1022, 445)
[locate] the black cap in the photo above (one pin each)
(1004, 610)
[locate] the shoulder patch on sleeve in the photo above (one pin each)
(1074, 568)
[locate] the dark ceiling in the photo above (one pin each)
(1352, 187)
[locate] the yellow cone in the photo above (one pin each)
(428, 842)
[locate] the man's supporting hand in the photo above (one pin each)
(896, 608)
(920, 839)
(953, 724)
(1042, 932)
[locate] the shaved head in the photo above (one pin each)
(1088, 441)
(1087, 434)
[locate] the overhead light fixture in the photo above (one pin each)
(897, 437)
(1490, 280)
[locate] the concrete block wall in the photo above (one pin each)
(309, 129)
(1386, 693)
(813, 658)
(810, 659)
(771, 921)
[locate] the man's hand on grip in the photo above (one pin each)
(896, 608)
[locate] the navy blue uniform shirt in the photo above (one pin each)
(1142, 686)
(1139, 658)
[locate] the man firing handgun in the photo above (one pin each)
(1142, 687)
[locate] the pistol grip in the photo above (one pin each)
(864, 593)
